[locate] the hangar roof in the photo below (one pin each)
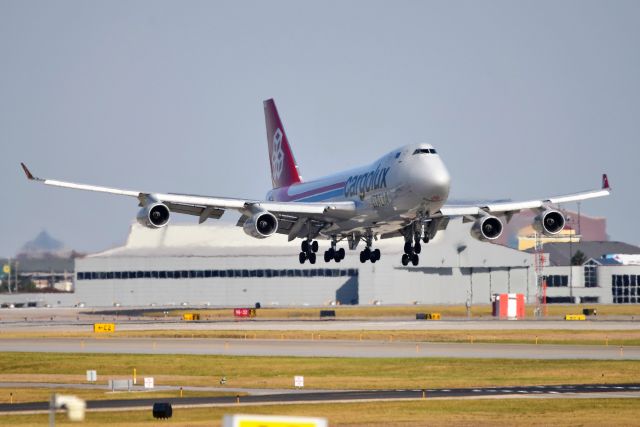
(561, 253)
(452, 248)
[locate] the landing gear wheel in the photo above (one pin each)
(417, 248)
(305, 246)
(425, 239)
(363, 257)
(407, 247)
(312, 258)
(314, 246)
(415, 259)
(327, 256)
(302, 257)
(405, 259)
(367, 253)
(340, 254)
(375, 255)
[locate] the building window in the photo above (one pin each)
(556, 281)
(591, 275)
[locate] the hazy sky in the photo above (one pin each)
(522, 100)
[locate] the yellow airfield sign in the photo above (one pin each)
(271, 421)
(104, 327)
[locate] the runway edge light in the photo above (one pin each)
(239, 420)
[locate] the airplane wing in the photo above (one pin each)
(294, 217)
(510, 208)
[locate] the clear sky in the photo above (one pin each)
(523, 99)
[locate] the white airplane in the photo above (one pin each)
(403, 193)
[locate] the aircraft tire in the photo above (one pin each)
(341, 253)
(327, 256)
(314, 246)
(415, 259)
(408, 248)
(312, 258)
(405, 259)
(417, 248)
(363, 257)
(302, 257)
(375, 255)
(305, 246)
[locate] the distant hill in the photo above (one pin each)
(43, 243)
(44, 254)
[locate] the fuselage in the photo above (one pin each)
(401, 185)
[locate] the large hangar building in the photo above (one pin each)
(218, 265)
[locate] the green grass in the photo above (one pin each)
(320, 373)
(481, 412)
(518, 336)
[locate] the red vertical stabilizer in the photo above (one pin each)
(284, 170)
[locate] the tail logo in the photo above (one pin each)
(277, 155)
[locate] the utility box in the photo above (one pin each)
(324, 314)
(162, 410)
(244, 312)
(428, 316)
(508, 306)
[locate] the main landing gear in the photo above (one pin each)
(367, 254)
(308, 251)
(411, 249)
(333, 253)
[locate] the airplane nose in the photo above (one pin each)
(434, 181)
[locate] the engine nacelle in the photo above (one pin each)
(549, 222)
(261, 225)
(154, 215)
(487, 228)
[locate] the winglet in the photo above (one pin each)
(605, 182)
(27, 172)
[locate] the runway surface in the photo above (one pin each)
(598, 390)
(308, 348)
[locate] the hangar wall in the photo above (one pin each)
(218, 265)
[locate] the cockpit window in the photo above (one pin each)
(425, 151)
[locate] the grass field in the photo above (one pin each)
(487, 412)
(525, 336)
(21, 395)
(447, 311)
(320, 373)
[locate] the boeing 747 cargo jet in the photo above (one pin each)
(403, 193)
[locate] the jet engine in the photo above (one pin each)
(487, 228)
(154, 215)
(550, 222)
(261, 224)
